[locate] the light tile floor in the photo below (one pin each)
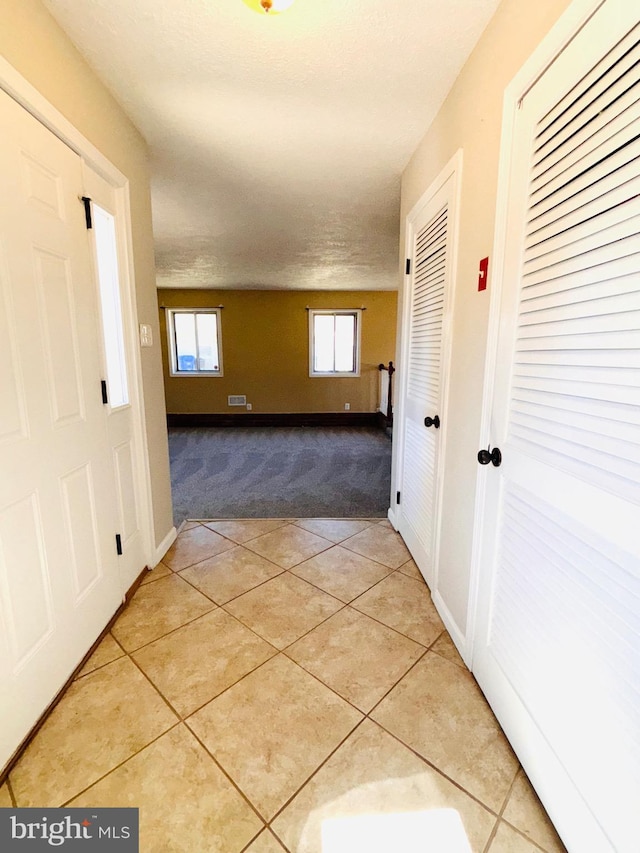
(285, 685)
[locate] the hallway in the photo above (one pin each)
(285, 685)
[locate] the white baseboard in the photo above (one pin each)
(459, 639)
(164, 546)
(392, 518)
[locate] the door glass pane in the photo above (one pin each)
(207, 342)
(109, 284)
(186, 350)
(345, 343)
(323, 338)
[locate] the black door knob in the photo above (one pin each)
(432, 422)
(494, 456)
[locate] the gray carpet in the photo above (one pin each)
(279, 472)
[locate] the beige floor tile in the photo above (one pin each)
(160, 571)
(5, 798)
(379, 543)
(404, 604)
(373, 776)
(189, 525)
(107, 651)
(341, 573)
(198, 661)
(525, 811)
(508, 840)
(265, 843)
(158, 608)
(288, 546)
(438, 710)
(445, 648)
(410, 568)
(334, 529)
(272, 730)
(283, 609)
(186, 803)
(243, 529)
(230, 574)
(358, 658)
(103, 719)
(384, 522)
(194, 545)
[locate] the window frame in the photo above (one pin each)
(110, 302)
(173, 354)
(336, 374)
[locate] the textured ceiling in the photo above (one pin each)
(277, 142)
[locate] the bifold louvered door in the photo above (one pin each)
(557, 647)
(426, 301)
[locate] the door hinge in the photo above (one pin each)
(87, 211)
(118, 544)
(105, 396)
(407, 266)
(397, 497)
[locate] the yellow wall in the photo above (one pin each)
(265, 352)
(37, 48)
(471, 119)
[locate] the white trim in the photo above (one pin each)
(564, 31)
(392, 518)
(454, 169)
(18, 88)
(131, 320)
(163, 547)
(459, 639)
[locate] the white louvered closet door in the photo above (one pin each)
(558, 636)
(430, 242)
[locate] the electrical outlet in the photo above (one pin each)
(249, 407)
(347, 407)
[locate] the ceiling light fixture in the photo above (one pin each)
(269, 7)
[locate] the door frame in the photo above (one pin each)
(451, 172)
(25, 94)
(556, 40)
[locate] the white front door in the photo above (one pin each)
(422, 422)
(557, 643)
(59, 582)
(105, 239)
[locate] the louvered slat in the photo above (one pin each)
(427, 309)
(595, 198)
(591, 86)
(593, 134)
(592, 173)
(580, 288)
(608, 227)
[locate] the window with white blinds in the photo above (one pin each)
(576, 386)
